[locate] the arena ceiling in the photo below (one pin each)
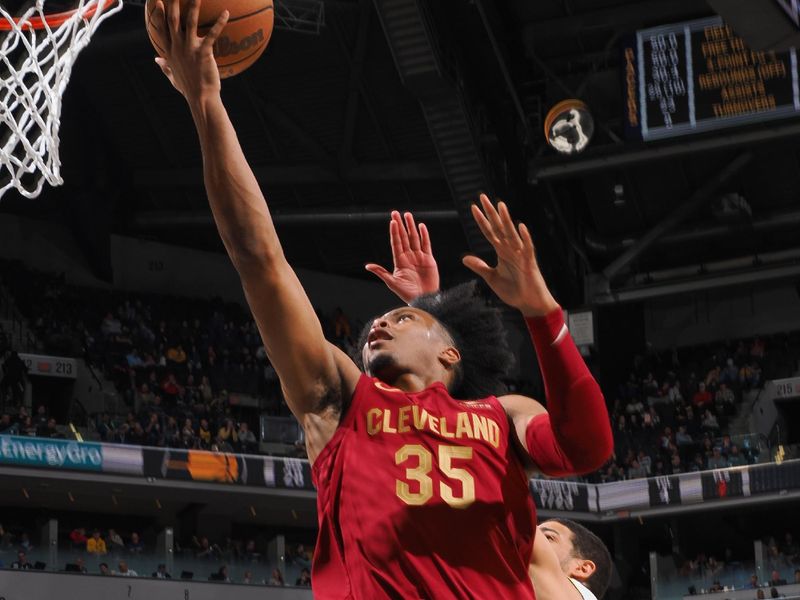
(417, 105)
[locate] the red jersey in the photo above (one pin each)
(421, 496)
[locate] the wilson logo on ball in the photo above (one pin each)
(225, 46)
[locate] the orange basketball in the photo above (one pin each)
(241, 42)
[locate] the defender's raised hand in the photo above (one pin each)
(415, 272)
(189, 63)
(516, 279)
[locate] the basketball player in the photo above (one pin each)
(420, 491)
(568, 561)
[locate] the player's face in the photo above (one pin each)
(405, 340)
(560, 539)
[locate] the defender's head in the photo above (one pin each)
(454, 337)
(582, 554)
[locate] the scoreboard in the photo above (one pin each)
(699, 76)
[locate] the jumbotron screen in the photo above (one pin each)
(699, 76)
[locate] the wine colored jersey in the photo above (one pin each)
(421, 496)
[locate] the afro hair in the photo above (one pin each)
(478, 333)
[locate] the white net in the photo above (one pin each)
(37, 52)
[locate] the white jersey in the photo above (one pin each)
(584, 591)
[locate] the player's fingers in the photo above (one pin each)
(411, 228)
(509, 230)
(174, 18)
(394, 238)
(491, 215)
(158, 25)
(378, 270)
(192, 17)
(477, 266)
(211, 37)
(525, 235)
(527, 240)
(425, 239)
(484, 225)
(402, 235)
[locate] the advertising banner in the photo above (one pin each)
(50, 453)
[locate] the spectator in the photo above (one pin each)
(797, 576)
(135, 546)
(710, 423)
(724, 399)
(645, 462)
(188, 439)
(776, 580)
(206, 549)
(28, 428)
(774, 593)
(77, 538)
(96, 545)
(172, 435)
(40, 419)
(21, 562)
(716, 587)
(250, 553)
(6, 426)
(247, 578)
(305, 578)
(80, 565)
(222, 575)
(753, 582)
(104, 570)
(735, 458)
(115, 544)
(247, 439)
(152, 433)
(161, 572)
(675, 464)
(682, 438)
(636, 471)
(730, 374)
(50, 430)
(137, 435)
(204, 434)
(228, 433)
(276, 578)
(124, 571)
(702, 397)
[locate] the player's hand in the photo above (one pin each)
(189, 63)
(415, 272)
(516, 279)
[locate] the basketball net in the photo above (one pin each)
(37, 52)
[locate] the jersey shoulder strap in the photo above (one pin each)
(585, 592)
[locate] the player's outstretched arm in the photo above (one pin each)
(415, 271)
(575, 437)
(314, 374)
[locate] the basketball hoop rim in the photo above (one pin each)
(58, 19)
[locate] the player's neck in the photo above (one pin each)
(412, 383)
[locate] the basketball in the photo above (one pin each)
(244, 38)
